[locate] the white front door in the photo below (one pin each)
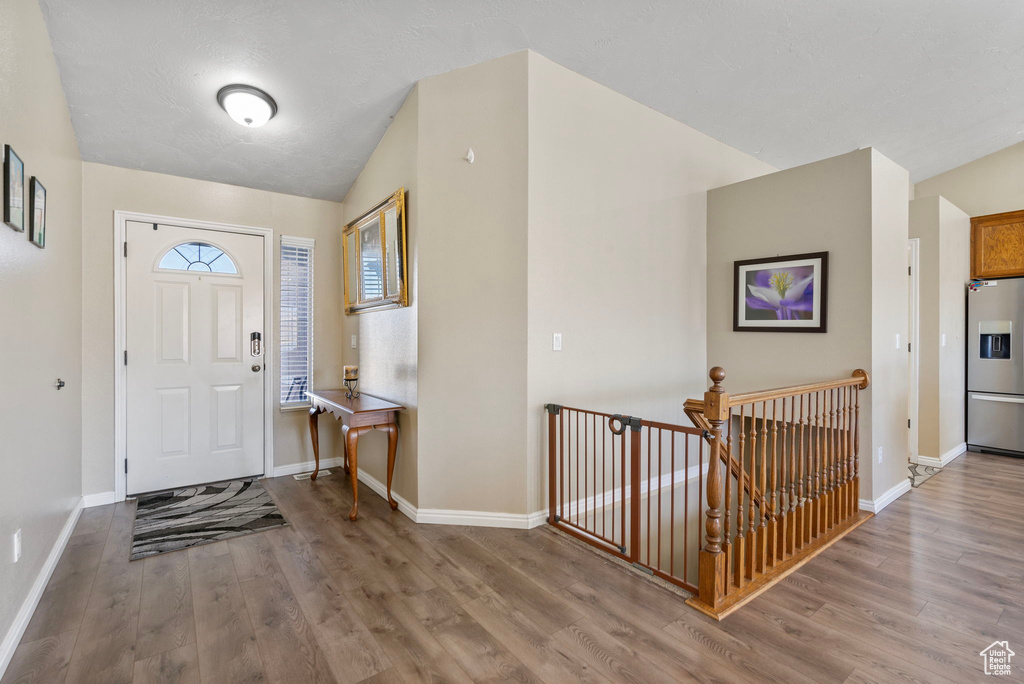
(195, 356)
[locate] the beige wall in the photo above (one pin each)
(106, 189)
(890, 315)
(457, 355)
(944, 233)
(824, 206)
(574, 191)
(40, 320)
(924, 225)
(472, 279)
(387, 340)
(954, 273)
(855, 207)
(617, 254)
(990, 185)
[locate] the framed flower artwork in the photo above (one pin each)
(781, 294)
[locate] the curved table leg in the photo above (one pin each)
(392, 430)
(352, 441)
(344, 446)
(314, 434)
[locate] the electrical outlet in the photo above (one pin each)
(17, 546)
(556, 342)
(353, 341)
(879, 454)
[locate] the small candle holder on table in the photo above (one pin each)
(351, 382)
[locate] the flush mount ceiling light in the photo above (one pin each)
(247, 105)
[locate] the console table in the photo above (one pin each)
(358, 415)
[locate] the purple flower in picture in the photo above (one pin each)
(789, 292)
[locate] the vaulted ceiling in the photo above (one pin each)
(931, 84)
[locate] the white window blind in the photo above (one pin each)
(296, 320)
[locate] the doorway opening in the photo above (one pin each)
(914, 354)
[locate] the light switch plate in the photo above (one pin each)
(556, 342)
(17, 546)
(353, 341)
(898, 345)
(943, 339)
(879, 454)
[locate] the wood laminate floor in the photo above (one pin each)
(911, 596)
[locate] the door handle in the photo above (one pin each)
(256, 368)
(1002, 400)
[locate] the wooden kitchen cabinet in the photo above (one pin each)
(997, 245)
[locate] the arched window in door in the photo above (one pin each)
(198, 256)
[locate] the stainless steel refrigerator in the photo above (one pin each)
(995, 366)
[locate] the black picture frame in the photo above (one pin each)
(14, 190)
(741, 309)
(37, 213)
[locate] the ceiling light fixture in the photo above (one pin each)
(247, 105)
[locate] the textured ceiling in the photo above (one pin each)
(930, 83)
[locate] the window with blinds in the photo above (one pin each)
(296, 320)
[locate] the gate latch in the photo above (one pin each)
(623, 421)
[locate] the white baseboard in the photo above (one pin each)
(430, 516)
(944, 460)
(376, 485)
(307, 466)
(515, 521)
(440, 516)
(99, 499)
(28, 607)
(953, 453)
(537, 518)
(887, 498)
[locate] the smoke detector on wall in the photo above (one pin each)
(248, 106)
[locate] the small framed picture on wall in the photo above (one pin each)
(37, 213)
(14, 189)
(781, 294)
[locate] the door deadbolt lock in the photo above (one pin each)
(256, 344)
(256, 368)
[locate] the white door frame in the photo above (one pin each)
(121, 219)
(914, 340)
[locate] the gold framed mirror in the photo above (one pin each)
(374, 254)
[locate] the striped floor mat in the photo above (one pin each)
(920, 473)
(180, 518)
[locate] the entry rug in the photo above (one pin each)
(920, 473)
(180, 518)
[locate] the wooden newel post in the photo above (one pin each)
(711, 578)
(865, 383)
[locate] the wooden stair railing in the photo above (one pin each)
(790, 457)
(694, 410)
